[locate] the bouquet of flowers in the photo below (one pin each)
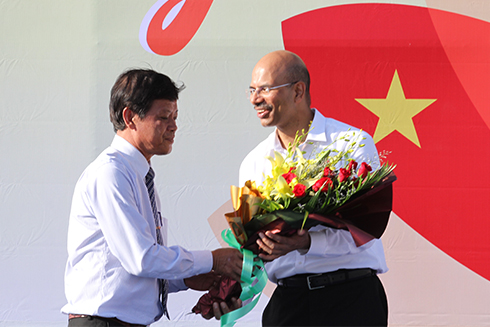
(331, 189)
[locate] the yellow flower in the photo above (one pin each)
(279, 165)
(282, 189)
(266, 188)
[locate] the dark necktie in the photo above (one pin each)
(163, 283)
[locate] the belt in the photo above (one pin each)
(115, 320)
(317, 281)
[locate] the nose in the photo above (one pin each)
(173, 124)
(254, 96)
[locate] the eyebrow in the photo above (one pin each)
(167, 111)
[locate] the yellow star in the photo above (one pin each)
(396, 112)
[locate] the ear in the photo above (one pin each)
(299, 92)
(128, 116)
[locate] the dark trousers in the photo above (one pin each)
(360, 302)
(93, 321)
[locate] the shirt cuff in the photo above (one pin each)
(176, 285)
(318, 243)
(203, 261)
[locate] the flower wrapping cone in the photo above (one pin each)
(244, 200)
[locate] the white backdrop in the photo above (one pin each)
(58, 61)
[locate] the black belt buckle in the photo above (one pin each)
(309, 282)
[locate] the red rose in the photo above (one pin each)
(299, 190)
(325, 182)
(289, 176)
(352, 165)
(327, 172)
(343, 174)
(364, 170)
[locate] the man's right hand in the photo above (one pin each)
(273, 245)
(219, 309)
(228, 261)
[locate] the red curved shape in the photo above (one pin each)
(470, 59)
(181, 30)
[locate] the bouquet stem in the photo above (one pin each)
(304, 219)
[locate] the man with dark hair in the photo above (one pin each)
(137, 89)
(323, 278)
(119, 269)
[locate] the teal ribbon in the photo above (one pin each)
(254, 279)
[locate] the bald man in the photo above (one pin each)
(323, 278)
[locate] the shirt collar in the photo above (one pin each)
(317, 128)
(316, 134)
(133, 155)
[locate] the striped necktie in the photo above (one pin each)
(163, 283)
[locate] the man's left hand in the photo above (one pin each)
(275, 245)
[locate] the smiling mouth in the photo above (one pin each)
(262, 109)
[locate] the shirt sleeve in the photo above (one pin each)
(114, 200)
(367, 152)
(247, 168)
(176, 285)
(334, 242)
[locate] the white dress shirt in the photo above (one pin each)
(114, 261)
(330, 249)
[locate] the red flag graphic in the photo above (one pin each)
(417, 79)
